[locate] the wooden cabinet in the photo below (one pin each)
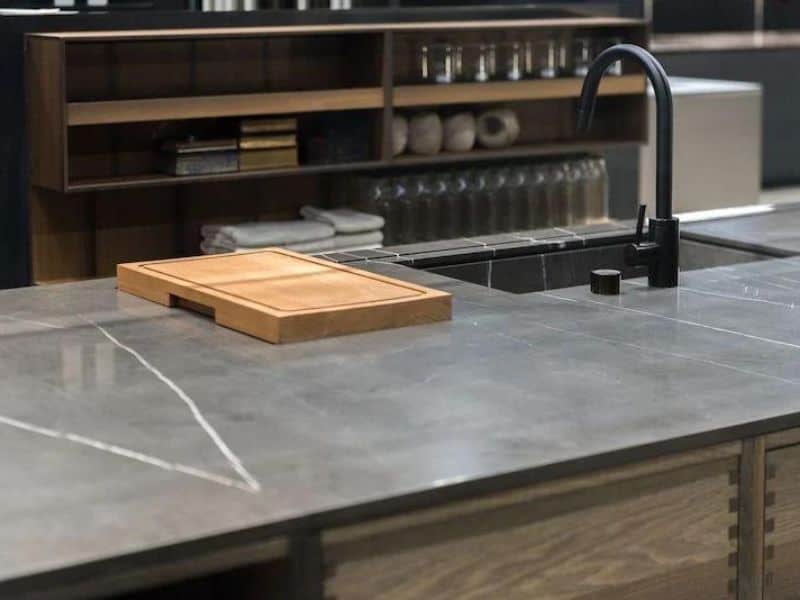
(666, 529)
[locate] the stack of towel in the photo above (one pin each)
(321, 230)
(353, 229)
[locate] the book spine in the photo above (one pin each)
(267, 142)
(268, 126)
(202, 164)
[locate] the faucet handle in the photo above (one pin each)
(640, 223)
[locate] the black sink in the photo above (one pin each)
(568, 268)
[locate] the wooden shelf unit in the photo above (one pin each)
(101, 102)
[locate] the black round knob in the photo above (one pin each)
(606, 282)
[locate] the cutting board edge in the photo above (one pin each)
(277, 326)
(425, 310)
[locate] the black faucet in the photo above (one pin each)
(660, 251)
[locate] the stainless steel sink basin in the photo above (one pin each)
(556, 270)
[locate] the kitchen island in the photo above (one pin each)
(544, 445)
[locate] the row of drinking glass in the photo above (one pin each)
(484, 200)
(542, 59)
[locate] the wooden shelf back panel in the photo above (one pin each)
(130, 70)
(506, 91)
(281, 296)
(230, 105)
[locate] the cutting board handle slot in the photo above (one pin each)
(192, 306)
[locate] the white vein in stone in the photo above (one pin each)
(198, 416)
(30, 322)
(721, 295)
(123, 452)
(724, 272)
(683, 322)
(617, 342)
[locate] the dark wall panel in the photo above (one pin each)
(670, 16)
(782, 14)
(14, 261)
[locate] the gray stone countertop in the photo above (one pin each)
(127, 428)
(776, 231)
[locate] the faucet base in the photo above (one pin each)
(666, 234)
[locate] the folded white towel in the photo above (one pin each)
(358, 240)
(344, 220)
(318, 246)
(208, 247)
(259, 235)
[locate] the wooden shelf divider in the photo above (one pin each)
(227, 105)
(507, 91)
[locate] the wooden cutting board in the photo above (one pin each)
(281, 296)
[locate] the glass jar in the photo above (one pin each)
(429, 190)
(475, 211)
(614, 68)
(405, 209)
(380, 198)
(545, 59)
(596, 188)
(450, 205)
(478, 62)
(575, 192)
(536, 197)
(556, 193)
(438, 63)
(518, 190)
(514, 61)
(582, 56)
(496, 200)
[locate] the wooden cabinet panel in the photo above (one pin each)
(782, 525)
(665, 534)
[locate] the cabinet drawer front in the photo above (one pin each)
(782, 526)
(664, 535)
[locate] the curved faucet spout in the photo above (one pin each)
(658, 77)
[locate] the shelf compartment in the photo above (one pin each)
(228, 105)
(478, 155)
(506, 91)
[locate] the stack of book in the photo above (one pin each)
(267, 143)
(199, 157)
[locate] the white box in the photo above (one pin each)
(717, 138)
